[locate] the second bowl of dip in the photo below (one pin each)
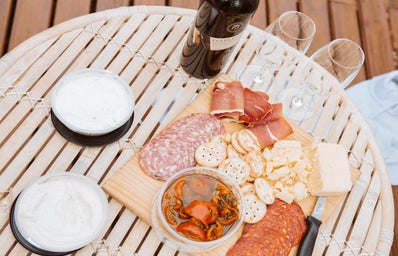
(92, 102)
(59, 213)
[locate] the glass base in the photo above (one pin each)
(256, 77)
(297, 104)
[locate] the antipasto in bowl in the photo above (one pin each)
(197, 209)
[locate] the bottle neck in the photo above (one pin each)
(235, 6)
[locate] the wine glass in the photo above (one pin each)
(292, 28)
(342, 58)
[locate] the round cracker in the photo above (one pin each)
(227, 137)
(231, 152)
(210, 154)
(257, 163)
(220, 139)
(264, 191)
(236, 145)
(248, 188)
(236, 169)
(255, 209)
(248, 141)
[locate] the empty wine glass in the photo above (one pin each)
(342, 58)
(292, 28)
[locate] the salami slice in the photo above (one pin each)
(282, 227)
(174, 148)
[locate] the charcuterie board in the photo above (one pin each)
(136, 190)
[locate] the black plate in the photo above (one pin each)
(25, 243)
(92, 141)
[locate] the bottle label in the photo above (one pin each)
(223, 43)
(215, 43)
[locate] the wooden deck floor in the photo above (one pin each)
(371, 23)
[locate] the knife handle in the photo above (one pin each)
(307, 243)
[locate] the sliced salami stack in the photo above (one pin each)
(174, 148)
(282, 228)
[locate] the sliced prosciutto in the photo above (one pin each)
(280, 128)
(275, 113)
(231, 100)
(265, 120)
(267, 133)
(256, 107)
(228, 100)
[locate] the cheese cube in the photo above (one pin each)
(285, 152)
(331, 173)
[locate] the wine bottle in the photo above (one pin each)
(217, 28)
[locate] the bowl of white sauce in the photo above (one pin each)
(92, 102)
(59, 213)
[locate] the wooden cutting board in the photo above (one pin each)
(136, 190)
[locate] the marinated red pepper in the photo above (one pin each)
(192, 231)
(204, 211)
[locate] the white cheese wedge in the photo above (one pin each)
(331, 173)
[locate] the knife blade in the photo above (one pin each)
(313, 222)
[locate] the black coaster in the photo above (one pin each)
(91, 141)
(25, 243)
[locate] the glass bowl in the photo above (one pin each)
(201, 185)
(92, 102)
(59, 213)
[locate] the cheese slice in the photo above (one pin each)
(331, 173)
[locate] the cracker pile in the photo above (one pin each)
(281, 171)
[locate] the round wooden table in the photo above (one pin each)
(143, 45)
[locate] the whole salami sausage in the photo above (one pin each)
(281, 228)
(174, 148)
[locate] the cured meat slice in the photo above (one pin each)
(282, 227)
(263, 135)
(275, 113)
(256, 107)
(280, 128)
(231, 100)
(174, 148)
(227, 100)
(270, 132)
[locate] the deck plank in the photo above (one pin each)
(192, 4)
(30, 18)
(376, 38)
(393, 15)
(66, 10)
(277, 7)
(5, 16)
(344, 24)
(148, 2)
(260, 16)
(110, 4)
(319, 12)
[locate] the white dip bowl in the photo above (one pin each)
(92, 102)
(61, 212)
